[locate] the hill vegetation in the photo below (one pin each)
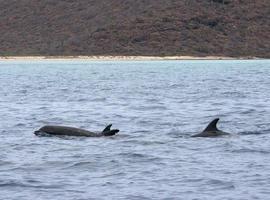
(135, 27)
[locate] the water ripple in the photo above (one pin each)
(157, 106)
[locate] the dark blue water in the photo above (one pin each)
(157, 106)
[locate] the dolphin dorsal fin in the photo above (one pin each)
(108, 128)
(212, 126)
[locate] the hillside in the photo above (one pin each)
(135, 27)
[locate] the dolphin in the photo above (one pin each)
(71, 131)
(211, 130)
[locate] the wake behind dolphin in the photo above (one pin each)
(211, 130)
(71, 131)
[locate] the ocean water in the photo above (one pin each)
(156, 105)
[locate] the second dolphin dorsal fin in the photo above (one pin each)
(212, 126)
(108, 128)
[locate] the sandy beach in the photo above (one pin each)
(123, 58)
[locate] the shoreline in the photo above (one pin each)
(124, 58)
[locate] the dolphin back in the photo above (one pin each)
(65, 130)
(71, 131)
(211, 130)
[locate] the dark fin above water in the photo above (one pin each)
(108, 132)
(111, 132)
(108, 128)
(212, 126)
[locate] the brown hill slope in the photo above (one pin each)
(135, 27)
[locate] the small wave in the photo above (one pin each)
(43, 107)
(254, 132)
(22, 91)
(249, 150)
(119, 115)
(138, 157)
(234, 94)
(249, 111)
(177, 85)
(20, 125)
(63, 89)
(82, 100)
(133, 155)
(178, 134)
(114, 174)
(4, 163)
(221, 184)
(42, 134)
(144, 108)
(81, 164)
(137, 197)
(152, 100)
(28, 184)
(101, 99)
(64, 137)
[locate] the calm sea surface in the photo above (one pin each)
(157, 106)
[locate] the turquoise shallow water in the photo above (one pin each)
(157, 105)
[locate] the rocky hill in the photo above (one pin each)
(135, 27)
